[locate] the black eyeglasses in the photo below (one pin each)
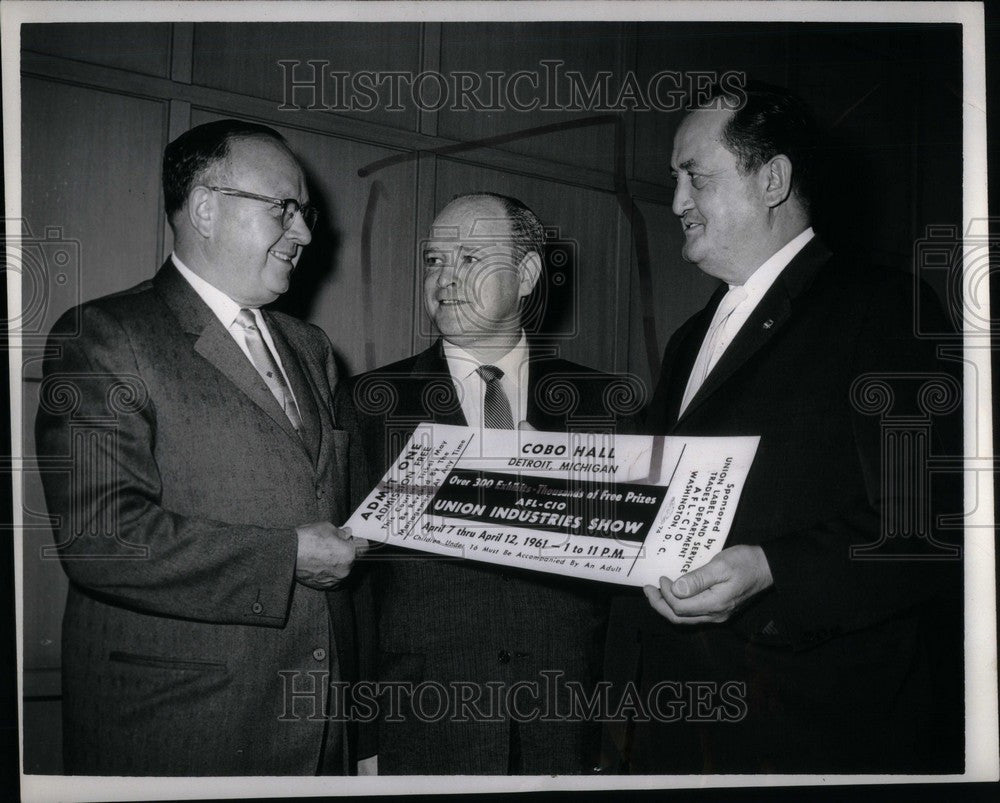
(289, 206)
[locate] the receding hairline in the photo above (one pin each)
(719, 135)
(241, 140)
(522, 228)
(223, 166)
(725, 115)
(494, 210)
(480, 198)
(235, 162)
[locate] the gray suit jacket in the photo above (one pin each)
(185, 631)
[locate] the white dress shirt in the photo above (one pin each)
(471, 387)
(754, 290)
(226, 310)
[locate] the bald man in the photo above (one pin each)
(480, 631)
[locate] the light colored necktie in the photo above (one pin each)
(496, 405)
(716, 341)
(263, 360)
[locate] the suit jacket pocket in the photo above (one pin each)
(159, 662)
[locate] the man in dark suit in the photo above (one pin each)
(195, 523)
(834, 608)
(476, 629)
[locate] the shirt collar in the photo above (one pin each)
(762, 278)
(223, 306)
(462, 364)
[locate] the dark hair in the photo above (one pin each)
(526, 230)
(188, 158)
(769, 120)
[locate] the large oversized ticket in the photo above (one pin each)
(625, 509)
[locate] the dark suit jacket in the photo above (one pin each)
(466, 623)
(835, 659)
(185, 631)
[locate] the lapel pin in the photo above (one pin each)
(768, 323)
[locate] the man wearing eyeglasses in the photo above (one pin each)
(208, 606)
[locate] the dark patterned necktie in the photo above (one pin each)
(496, 406)
(263, 360)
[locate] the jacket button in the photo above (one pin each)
(503, 657)
(319, 654)
(257, 608)
(319, 493)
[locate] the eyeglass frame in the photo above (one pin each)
(307, 210)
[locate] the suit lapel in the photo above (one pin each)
(773, 310)
(770, 317)
(215, 344)
(302, 388)
(437, 395)
(540, 416)
(687, 353)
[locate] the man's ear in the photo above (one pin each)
(777, 175)
(529, 270)
(201, 210)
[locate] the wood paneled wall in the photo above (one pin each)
(100, 102)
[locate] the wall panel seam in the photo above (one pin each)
(124, 82)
